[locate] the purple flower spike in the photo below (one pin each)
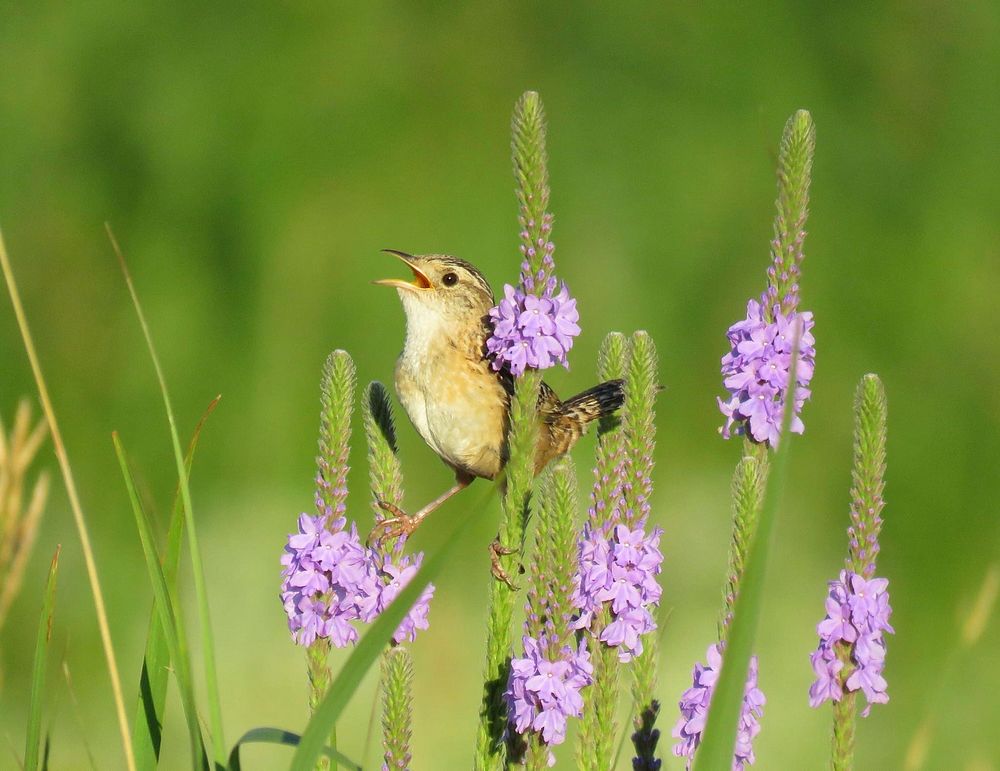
(331, 580)
(696, 700)
(619, 569)
(544, 689)
(756, 372)
(532, 330)
(857, 614)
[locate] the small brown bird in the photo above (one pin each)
(456, 401)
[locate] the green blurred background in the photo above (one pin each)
(253, 159)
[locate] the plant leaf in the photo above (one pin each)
(200, 590)
(280, 736)
(33, 739)
(149, 713)
(166, 611)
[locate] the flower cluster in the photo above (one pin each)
(543, 692)
(857, 613)
(330, 579)
(620, 569)
(694, 705)
(531, 330)
(756, 372)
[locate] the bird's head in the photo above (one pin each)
(444, 290)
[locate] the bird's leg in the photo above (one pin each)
(399, 523)
(498, 550)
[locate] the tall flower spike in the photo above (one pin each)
(532, 191)
(755, 371)
(535, 323)
(851, 652)
(642, 386)
(594, 746)
(545, 684)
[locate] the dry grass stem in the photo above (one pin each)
(18, 524)
(74, 502)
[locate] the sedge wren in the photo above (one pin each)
(456, 401)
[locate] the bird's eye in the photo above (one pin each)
(449, 279)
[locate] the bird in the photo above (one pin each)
(457, 402)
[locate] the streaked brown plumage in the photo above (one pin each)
(454, 399)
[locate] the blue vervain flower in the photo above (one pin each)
(695, 703)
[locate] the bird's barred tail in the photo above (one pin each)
(595, 402)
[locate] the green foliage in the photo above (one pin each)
(33, 734)
(150, 708)
(168, 612)
(201, 591)
(397, 706)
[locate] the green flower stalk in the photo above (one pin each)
(761, 378)
(384, 469)
(851, 652)
(641, 387)
(748, 496)
(599, 727)
(337, 389)
(397, 707)
(386, 481)
(756, 369)
(515, 512)
(531, 174)
(539, 709)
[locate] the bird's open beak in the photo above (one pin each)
(420, 281)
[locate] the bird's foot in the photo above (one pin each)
(398, 524)
(498, 550)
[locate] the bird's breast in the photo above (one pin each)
(456, 404)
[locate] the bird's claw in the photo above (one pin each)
(398, 524)
(498, 550)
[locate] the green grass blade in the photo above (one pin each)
(167, 611)
(279, 736)
(32, 741)
(149, 714)
(201, 591)
(369, 648)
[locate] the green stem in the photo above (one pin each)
(490, 750)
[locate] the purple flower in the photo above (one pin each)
(756, 372)
(618, 569)
(532, 330)
(331, 580)
(695, 701)
(544, 689)
(857, 614)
